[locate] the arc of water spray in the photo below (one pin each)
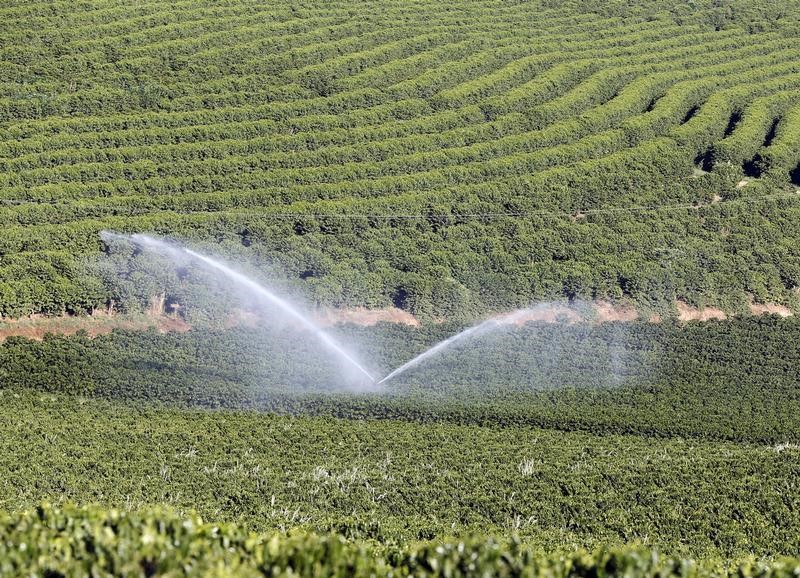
(283, 304)
(245, 281)
(442, 345)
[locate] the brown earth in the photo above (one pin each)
(365, 317)
(242, 318)
(607, 311)
(688, 313)
(545, 313)
(103, 322)
(99, 323)
(770, 309)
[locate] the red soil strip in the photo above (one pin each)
(555, 313)
(101, 323)
(94, 325)
(607, 311)
(365, 317)
(688, 313)
(770, 309)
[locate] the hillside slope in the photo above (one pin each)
(396, 483)
(443, 158)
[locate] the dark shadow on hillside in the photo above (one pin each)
(771, 132)
(733, 121)
(705, 160)
(751, 169)
(794, 176)
(754, 168)
(690, 114)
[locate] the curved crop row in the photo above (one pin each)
(640, 128)
(754, 128)
(782, 156)
(240, 115)
(734, 57)
(470, 154)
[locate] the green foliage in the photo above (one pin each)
(290, 136)
(394, 482)
(781, 159)
(451, 159)
(754, 129)
(97, 542)
(732, 380)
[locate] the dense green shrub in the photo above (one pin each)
(394, 482)
(92, 541)
(652, 380)
(544, 151)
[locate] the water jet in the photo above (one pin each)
(174, 252)
(485, 326)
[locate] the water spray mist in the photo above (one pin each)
(175, 251)
(474, 331)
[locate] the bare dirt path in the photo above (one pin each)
(101, 323)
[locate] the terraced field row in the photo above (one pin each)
(511, 136)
